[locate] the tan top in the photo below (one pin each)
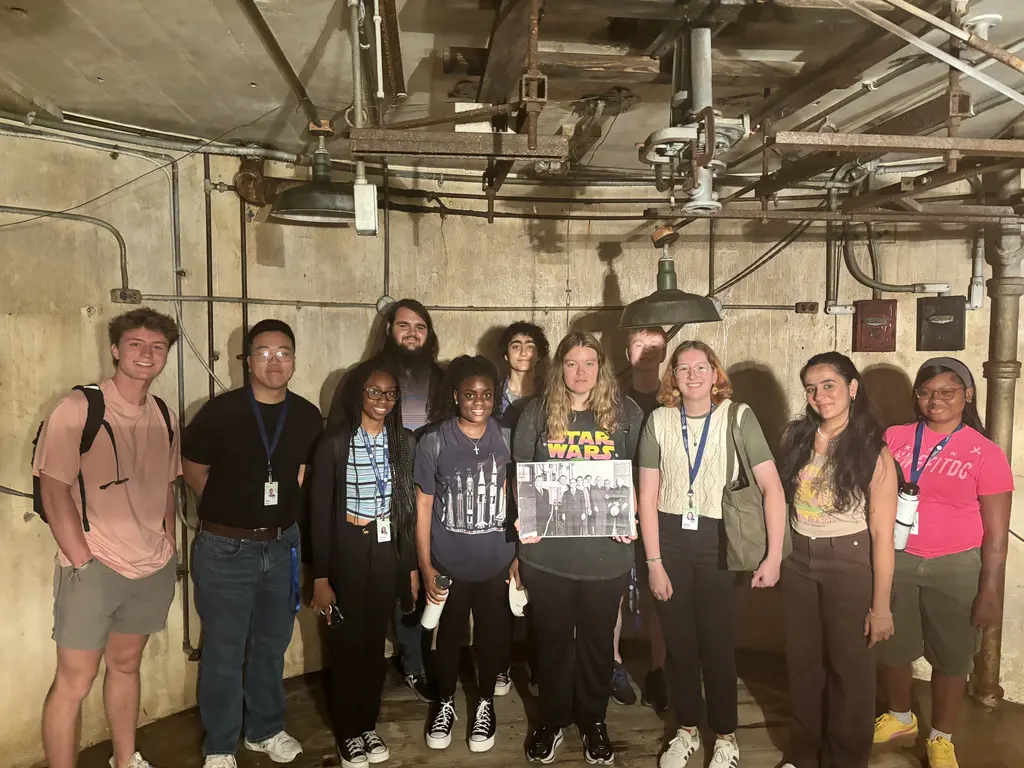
(813, 513)
(125, 520)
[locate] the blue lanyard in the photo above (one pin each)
(296, 595)
(915, 471)
(269, 446)
(506, 401)
(694, 464)
(382, 479)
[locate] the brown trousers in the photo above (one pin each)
(827, 587)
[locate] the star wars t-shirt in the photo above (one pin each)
(466, 477)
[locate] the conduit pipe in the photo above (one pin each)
(858, 274)
(42, 213)
(357, 80)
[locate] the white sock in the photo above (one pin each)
(935, 734)
(904, 717)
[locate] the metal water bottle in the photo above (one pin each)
(906, 514)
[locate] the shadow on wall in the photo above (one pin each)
(605, 324)
(892, 394)
(760, 623)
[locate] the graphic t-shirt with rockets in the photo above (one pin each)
(466, 477)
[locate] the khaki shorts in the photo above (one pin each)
(88, 606)
(931, 604)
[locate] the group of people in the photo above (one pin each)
(413, 508)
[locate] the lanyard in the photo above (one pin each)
(382, 479)
(506, 401)
(694, 464)
(269, 446)
(915, 471)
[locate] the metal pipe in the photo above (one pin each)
(387, 230)
(458, 118)
(208, 220)
(712, 247)
(858, 274)
(284, 66)
(701, 97)
(378, 39)
(357, 79)
(533, 107)
(43, 213)
(243, 248)
(896, 29)
(1004, 250)
(246, 300)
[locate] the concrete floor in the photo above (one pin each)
(983, 740)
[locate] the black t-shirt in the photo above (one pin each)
(647, 401)
(468, 531)
(578, 558)
(224, 435)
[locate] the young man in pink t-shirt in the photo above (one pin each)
(116, 566)
(946, 580)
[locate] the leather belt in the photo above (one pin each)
(243, 534)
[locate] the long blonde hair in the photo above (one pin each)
(668, 393)
(604, 399)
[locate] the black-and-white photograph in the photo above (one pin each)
(576, 498)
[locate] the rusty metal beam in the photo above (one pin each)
(508, 146)
(25, 99)
(844, 69)
(507, 50)
(865, 142)
(918, 185)
(456, 118)
(656, 10)
(965, 216)
(831, 5)
(392, 51)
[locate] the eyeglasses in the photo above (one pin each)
(281, 355)
(376, 394)
(701, 369)
(945, 394)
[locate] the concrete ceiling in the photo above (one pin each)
(196, 67)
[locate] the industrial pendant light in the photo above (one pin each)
(668, 305)
(320, 201)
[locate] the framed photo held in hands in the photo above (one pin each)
(559, 499)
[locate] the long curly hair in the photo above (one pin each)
(604, 400)
(851, 459)
(460, 369)
(350, 403)
(668, 392)
(970, 415)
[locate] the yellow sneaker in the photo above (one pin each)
(888, 728)
(941, 753)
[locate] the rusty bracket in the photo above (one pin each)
(700, 159)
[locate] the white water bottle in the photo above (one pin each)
(906, 514)
(432, 611)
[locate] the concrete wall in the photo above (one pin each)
(55, 303)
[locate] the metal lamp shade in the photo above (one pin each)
(668, 305)
(316, 203)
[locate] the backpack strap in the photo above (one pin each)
(93, 421)
(166, 413)
(730, 442)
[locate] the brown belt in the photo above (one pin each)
(244, 534)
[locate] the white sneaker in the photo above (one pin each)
(680, 749)
(220, 761)
(502, 684)
(726, 754)
(281, 747)
(137, 761)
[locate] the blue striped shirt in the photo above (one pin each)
(363, 499)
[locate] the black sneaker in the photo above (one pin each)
(503, 683)
(622, 689)
(439, 732)
(353, 753)
(376, 750)
(597, 749)
(655, 692)
(542, 744)
(422, 687)
(481, 733)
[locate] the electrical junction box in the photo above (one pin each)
(365, 196)
(941, 323)
(874, 325)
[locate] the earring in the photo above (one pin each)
(675, 393)
(968, 399)
(714, 389)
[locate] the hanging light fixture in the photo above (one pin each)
(319, 201)
(668, 305)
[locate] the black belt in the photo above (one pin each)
(243, 534)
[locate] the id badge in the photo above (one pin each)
(691, 516)
(270, 494)
(383, 529)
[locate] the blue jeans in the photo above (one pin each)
(244, 596)
(409, 634)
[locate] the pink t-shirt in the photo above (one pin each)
(126, 520)
(949, 513)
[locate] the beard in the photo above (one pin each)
(414, 362)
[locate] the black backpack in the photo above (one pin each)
(94, 419)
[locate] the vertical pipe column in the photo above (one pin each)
(1003, 250)
(243, 247)
(701, 97)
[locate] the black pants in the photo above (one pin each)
(827, 585)
(492, 632)
(574, 673)
(365, 582)
(699, 622)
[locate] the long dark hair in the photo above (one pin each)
(851, 459)
(462, 368)
(350, 403)
(388, 343)
(970, 415)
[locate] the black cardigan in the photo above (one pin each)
(327, 504)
